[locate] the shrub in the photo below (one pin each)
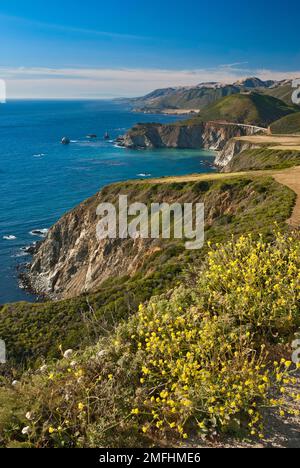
(194, 360)
(256, 283)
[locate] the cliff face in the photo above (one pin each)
(71, 260)
(207, 135)
(231, 149)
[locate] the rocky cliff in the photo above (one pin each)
(207, 135)
(71, 260)
(231, 149)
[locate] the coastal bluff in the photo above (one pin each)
(184, 135)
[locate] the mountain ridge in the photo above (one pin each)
(203, 94)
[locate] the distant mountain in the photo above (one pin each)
(282, 90)
(196, 97)
(254, 82)
(248, 108)
(287, 125)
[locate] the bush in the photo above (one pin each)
(193, 361)
(256, 283)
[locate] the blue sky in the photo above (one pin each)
(126, 47)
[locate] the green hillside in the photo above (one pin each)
(161, 357)
(252, 109)
(34, 330)
(282, 91)
(288, 124)
(194, 98)
(197, 97)
(263, 158)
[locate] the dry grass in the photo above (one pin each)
(289, 177)
(276, 142)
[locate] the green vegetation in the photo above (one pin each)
(283, 92)
(233, 206)
(152, 352)
(195, 98)
(198, 97)
(263, 158)
(252, 109)
(197, 360)
(286, 125)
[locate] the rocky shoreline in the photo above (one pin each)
(215, 136)
(56, 271)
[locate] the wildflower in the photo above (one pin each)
(26, 430)
(51, 430)
(14, 383)
(135, 411)
(80, 406)
(180, 429)
(29, 416)
(67, 354)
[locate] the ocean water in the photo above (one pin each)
(40, 179)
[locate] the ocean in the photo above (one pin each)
(42, 179)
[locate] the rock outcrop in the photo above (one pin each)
(231, 149)
(71, 260)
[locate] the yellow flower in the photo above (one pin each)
(80, 406)
(135, 411)
(51, 430)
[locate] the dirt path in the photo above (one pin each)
(289, 177)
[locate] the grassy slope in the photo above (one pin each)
(283, 92)
(196, 98)
(235, 205)
(263, 158)
(286, 125)
(253, 109)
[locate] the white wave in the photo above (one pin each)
(20, 254)
(144, 175)
(40, 155)
(9, 238)
(39, 232)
